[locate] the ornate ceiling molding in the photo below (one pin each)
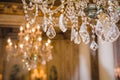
(11, 8)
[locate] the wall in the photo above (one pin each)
(65, 60)
(1, 57)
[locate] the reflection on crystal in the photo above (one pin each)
(62, 24)
(99, 29)
(84, 34)
(44, 26)
(105, 12)
(112, 34)
(77, 38)
(51, 32)
(93, 45)
(73, 33)
(114, 17)
(104, 19)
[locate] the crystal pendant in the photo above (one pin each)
(51, 32)
(84, 34)
(77, 39)
(99, 29)
(114, 17)
(62, 26)
(112, 34)
(44, 26)
(93, 45)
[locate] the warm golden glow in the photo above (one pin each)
(21, 46)
(38, 27)
(39, 73)
(49, 41)
(31, 46)
(21, 28)
(26, 37)
(27, 25)
(9, 40)
(39, 39)
(33, 30)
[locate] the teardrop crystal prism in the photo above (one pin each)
(62, 26)
(51, 32)
(112, 34)
(84, 34)
(99, 30)
(93, 45)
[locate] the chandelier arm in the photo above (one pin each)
(41, 8)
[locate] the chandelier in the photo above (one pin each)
(84, 17)
(30, 46)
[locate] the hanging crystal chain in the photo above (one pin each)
(107, 14)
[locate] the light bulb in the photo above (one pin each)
(21, 28)
(49, 41)
(39, 39)
(27, 25)
(33, 30)
(46, 44)
(27, 38)
(38, 27)
(15, 46)
(21, 46)
(10, 43)
(9, 40)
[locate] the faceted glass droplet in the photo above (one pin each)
(93, 46)
(62, 26)
(51, 32)
(84, 34)
(99, 29)
(112, 34)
